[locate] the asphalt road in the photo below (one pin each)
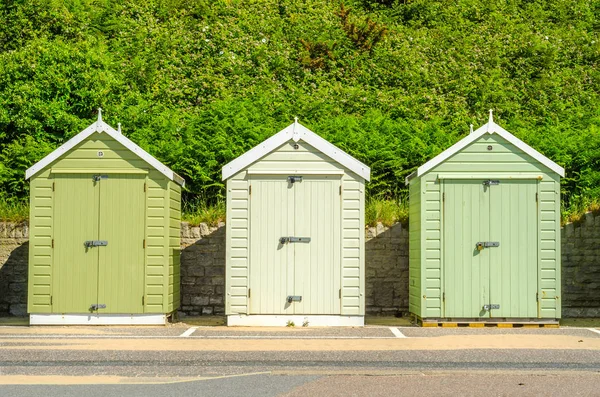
(209, 362)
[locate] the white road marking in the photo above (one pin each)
(397, 332)
(593, 330)
(188, 332)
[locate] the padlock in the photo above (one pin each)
(479, 246)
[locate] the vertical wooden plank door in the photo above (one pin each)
(75, 279)
(466, 269)
(271, 217)
(121, 262)
(317, 263)
(494, 281)
(311, 269)
(514, 264)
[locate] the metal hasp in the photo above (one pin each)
(294, 178)
(97, 306)
(97, 178)
(290, 239)
(95, 243)
(491, 182)
(486, 244)
(491, 307)
(294, 298)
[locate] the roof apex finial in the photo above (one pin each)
(296, 120)
(99, 115)
(471, 128)
(491, 116)
(119, 128)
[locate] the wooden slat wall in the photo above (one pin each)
(40, 244)
(504, 158)
(414, 245)
(288, 159)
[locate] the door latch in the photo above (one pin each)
(283, 240)
(96, 178)
(97, 306)
(95, 243)
(486, 244)
(491, 182)
(491, 307)
(294, 298)
(294, 178)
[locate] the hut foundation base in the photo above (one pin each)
(97, 319)
(294, 320)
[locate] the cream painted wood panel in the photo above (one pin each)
(310, 208)
(271, 217)
(317, 263)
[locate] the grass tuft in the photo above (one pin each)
(195, 213)
(578, 208)
(387, 212)
(15, 211)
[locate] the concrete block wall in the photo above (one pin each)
(14, 251)
(202, 270)
(581, 268)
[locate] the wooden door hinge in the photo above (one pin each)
(53, 185)
(340, 190)
(443, 297)
(52, 243)
(144, 244)
(536, 197)
(537, 296)
(144, 187)
(249, 190)
(50, 300)
(249, 292)
(143, 300)
(443, 196)
(340, 293)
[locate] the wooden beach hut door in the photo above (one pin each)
(295, 245)
(490, 248)
(98, 243)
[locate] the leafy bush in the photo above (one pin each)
(197, 83)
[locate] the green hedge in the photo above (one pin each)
(391, 82)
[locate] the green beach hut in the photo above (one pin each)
(295, 249)
(104, 233)
(485, 232)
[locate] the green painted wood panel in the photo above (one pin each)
(75, 278)
(156, 281)
(174, 245)
(415, 237)
(504, 159)
(85, 156)
(466, 270)
(514, 265)
(40, 244)
(57, 214)
(506, 275)
(121, 262)
(317, 263)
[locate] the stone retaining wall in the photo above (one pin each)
(581, 268)
(203, 269)
(14, 251)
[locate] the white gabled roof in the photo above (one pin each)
(101, 127)
(489, 128)
(296, 132)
